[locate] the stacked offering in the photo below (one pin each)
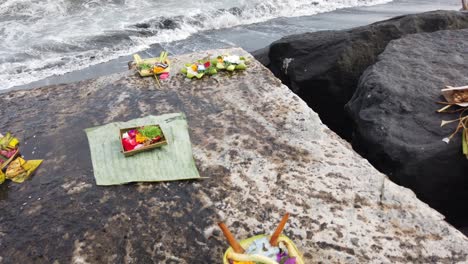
(262, 249)
(17, 169)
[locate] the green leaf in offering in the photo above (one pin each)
(150, 131)
(220, 66)
(145, 66)
(231, 67)
(212, 71)
(241, 67)
(465, 142)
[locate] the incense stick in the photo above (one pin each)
(157, 81)
(279, 229)
(230, 238)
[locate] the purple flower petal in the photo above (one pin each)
(280, 256)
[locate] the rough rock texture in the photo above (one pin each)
(397, 128)
(264, 153)
(323, 68)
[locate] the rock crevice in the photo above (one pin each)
(324, 67)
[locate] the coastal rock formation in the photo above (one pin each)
(323, 68)
(263, 151)
(396, 124)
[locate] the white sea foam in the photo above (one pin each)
(40, 38)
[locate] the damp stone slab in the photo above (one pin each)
(262, 150)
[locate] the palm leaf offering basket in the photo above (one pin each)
(262, 249)
(151, 146)
(242, 257)
(152, 66)
(456, 95)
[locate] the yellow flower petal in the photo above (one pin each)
(13, 143)
(140, 138)
(2, 177)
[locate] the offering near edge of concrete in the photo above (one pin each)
(262, 249)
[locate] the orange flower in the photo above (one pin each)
(140, 138)
(158, 70)
(194, 67)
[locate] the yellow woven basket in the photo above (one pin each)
(146, 72)
(292, 250)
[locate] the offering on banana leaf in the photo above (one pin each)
(153, 66)
(138, 139)
(17, 169)
(262, 249)
(212, 66)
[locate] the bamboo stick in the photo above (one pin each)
(279, 229)
(230, 238)
(157, 80)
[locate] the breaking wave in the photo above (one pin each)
(40, 38)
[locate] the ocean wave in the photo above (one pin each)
(40, 38)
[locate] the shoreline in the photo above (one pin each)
(251, 37)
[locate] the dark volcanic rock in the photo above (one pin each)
(397, 128)
(323, 68)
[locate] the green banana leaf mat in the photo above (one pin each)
(170, 162)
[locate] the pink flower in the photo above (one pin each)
(283, 258)
(132, 133)
(164, 76)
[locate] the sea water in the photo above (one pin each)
(41, 38)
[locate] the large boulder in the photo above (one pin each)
(262, 150)
(396, 124)
(323, 68)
